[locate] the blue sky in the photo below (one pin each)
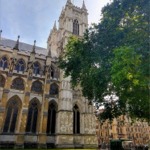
(33, 19)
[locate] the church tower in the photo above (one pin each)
(75, 123)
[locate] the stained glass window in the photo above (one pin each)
(32, 117)
(51, 122)
(54, 89)
(18, 84)
(3, 62)
(11, 116)
(2, 81)
(36, 68)
(37, 87)
(20, 65)
(76, 120)
(76, 27)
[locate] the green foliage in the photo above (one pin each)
(113, 59)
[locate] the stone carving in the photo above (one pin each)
(12, 64)
(30, 68)
(77, 94)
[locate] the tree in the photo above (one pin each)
(112, 60)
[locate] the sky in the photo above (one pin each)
(33, 19)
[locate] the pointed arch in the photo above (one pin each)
(54, 89)
(21, 65)
(33, 111)
(37, 87)
(2, 81)
(18, 84)
(36, 68)
(13, 108)
(51, 120)
(76, 27)
(76, 119)
(4, 62)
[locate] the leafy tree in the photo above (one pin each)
(112, 60)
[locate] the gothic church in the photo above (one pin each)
(38, 107)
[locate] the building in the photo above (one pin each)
(38, 108)
(123, 128)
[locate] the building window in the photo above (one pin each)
(36, 68)
(32, 117)
(76, 120)
(20, 65)
(75, 27)
(54, 89)
(18, 84)
(37, 87)
(3, 62)
(51, 122)
(2, 81)
(11, 116)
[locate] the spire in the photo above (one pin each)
(0, 34)
(68, 2)
(33, 49)
(17, 44)
(83, 6)
(54, 27)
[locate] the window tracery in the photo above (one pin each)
(37, 87)
(76, 120)
(51, 122)
(36, 68)
(54, 89)
(32, 117)
(20, 66)
(11, 116)
(4, 63)
(75, 27)
(18, 84)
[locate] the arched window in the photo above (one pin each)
(75, 27)
(32, 116)
(3, 62)
(11, 116)
(37, 87)
(36, 68)
(20, 65)
(76, 120)
(18, 84)
(51, 122)
(54, 89)
(2, 81)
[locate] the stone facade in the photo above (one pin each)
(123, 128)
(38, 107)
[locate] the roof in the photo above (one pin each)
(22, 46)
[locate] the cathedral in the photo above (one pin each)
(38, 107)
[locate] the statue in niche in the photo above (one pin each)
(12, 64)
(30, 68)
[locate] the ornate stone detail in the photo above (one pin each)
(6, 90)
(77, 94)
(25, 111)
(27, 94)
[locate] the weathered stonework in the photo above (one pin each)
(47, 76)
